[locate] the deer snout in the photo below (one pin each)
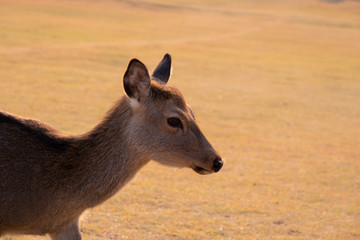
(217, 165)
(209, 166)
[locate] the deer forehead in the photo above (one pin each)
(162, 100)
(167, 95)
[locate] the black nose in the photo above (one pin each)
(218, 163)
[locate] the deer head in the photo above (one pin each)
(163, 126)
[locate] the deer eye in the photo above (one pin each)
(175, 122)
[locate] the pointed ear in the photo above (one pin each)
(163, 70)
(136, 80)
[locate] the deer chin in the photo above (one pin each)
(201, 170)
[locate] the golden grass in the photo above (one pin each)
(274, 84)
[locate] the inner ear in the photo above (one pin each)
(162, 72)
(136, 80)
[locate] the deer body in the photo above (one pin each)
(47, 180)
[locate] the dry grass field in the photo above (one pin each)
(275, 86)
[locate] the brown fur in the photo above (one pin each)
(47, 180)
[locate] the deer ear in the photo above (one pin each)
(136, 80)
(163, 70)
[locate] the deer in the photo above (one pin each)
(48, 179)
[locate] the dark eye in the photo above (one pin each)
(175, 122)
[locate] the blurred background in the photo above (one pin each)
(274, 84)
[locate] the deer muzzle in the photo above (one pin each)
(215, 167)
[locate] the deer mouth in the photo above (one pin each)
(201, 170)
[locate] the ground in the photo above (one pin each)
(275, 86)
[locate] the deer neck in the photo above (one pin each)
(109, 157)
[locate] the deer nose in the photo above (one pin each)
(217, 165)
